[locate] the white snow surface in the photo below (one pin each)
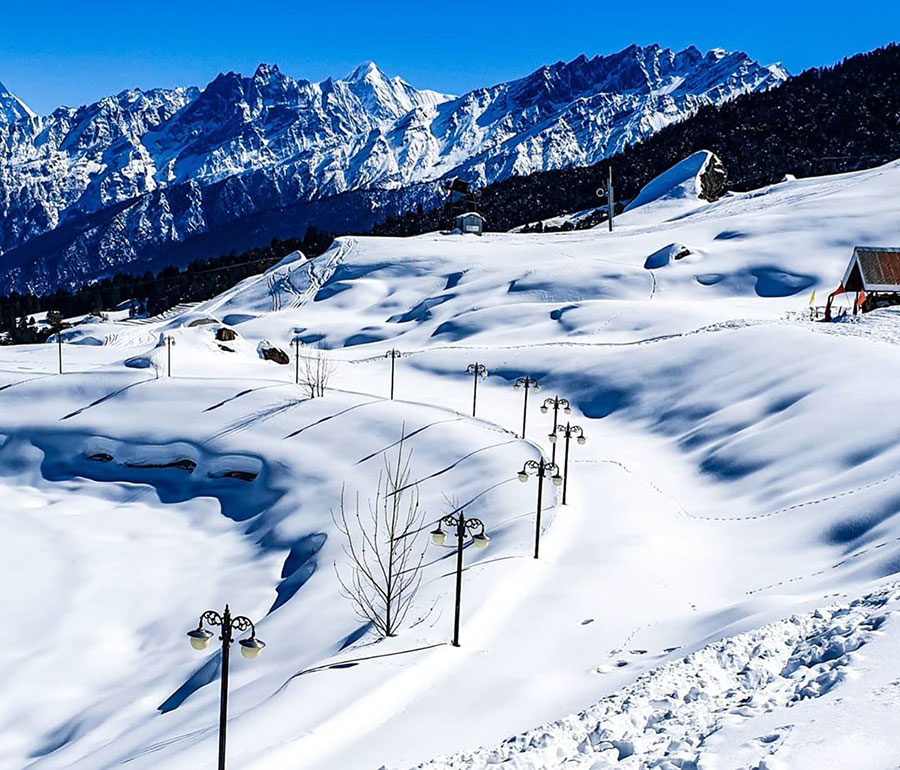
(717, 593)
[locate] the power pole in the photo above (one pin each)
(606, 190)
(610, 205)
(296, 343)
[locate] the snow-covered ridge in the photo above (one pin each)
(190, 160)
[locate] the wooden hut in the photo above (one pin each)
(873, 275)
(470, 222)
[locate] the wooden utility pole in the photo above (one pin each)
(610, 205)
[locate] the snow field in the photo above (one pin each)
(725, 487)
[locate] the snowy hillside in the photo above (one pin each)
(113, 185)
(718, 592)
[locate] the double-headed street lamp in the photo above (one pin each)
(463, 526)
(541, 469)
(476, 370)
(250, 649)
(556, 402)
(567, 431)
(170, 341)
(526, 382)
(393, 354)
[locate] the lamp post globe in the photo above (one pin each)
(199, 638)
(252, 647)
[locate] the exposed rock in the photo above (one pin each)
(269, 352)
(240, 475)
(713, 179)
(183, 464)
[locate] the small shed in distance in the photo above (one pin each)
(470, 222)
(873, 275)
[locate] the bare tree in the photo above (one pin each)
(317, 371)
(382, 547)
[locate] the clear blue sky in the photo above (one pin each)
(54, 52)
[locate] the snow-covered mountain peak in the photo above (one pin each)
(12, 108)
(367, 70)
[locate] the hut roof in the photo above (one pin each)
(873, 268)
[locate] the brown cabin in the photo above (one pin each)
(873, 275)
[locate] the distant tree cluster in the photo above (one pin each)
(823, 121)
(150, 293)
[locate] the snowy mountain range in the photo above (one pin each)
(147, 178)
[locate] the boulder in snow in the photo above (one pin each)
(700, 176)
(268, 352)
(665, 255)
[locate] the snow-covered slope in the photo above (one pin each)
(87, 191)
(716, 593)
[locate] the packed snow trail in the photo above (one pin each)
(667, 717)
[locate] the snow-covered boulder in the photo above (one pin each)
(269, 352)
(665, 255)
(698, 178)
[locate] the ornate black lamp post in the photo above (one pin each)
(541, 469)
(526, 382)
(463, 526)
(170, 341)
(250, 649)
(393, 354)
(476, 370)
(568, 431)
(556, 402)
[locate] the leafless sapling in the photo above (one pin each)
(383, 547)
(317, 370)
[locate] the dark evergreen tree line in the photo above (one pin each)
(150, 293)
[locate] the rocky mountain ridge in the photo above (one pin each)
(132, 181)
